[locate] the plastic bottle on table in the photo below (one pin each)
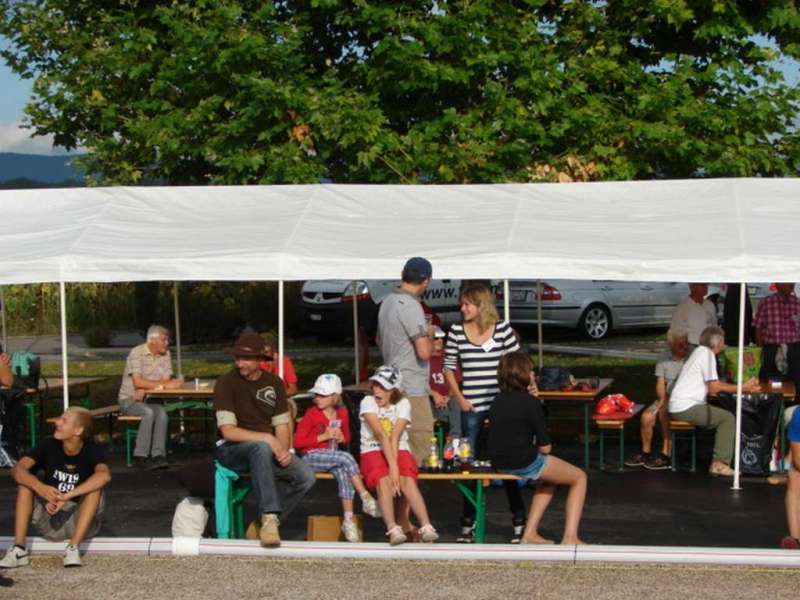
(432, 462)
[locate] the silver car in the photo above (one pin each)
(595, 308)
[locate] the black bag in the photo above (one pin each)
(553, 378)
(12, 418)
(27, 368)
(760, 414)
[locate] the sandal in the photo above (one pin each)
(790, 543)
(428, 533)
(396, 535)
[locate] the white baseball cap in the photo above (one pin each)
(388, 377)
(438, 332)
(327, 384)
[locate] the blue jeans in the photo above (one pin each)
(278, 489)
(471, 425)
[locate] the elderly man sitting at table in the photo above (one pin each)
(697, 381)
(149, 368)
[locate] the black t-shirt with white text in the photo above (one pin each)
(62, 471)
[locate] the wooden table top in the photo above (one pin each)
(604, 383)
(57, 383)
(205, 390)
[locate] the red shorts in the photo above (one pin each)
(374, 467)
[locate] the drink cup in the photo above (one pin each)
(333, 444)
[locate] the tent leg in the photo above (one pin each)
(356, 361)
(739, 367)
(539, 320)
(280, 328)
(176, 306)
(64, 369)
(506, 302)
(3, 317)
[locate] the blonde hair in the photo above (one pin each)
(479, 295)
(83, 418)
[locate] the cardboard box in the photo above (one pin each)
(322, 528)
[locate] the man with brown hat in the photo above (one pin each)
(253, 421)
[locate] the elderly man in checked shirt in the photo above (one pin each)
(777, 323)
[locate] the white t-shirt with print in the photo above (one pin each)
(690, 389)
(387, 416)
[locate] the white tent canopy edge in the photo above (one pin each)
(687, 230)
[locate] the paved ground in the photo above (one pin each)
(637, 507)
(131, 578)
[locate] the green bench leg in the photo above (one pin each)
(129, 433)
(622, 448)
(30, 408)
(694, 452)
(478, 500)
(674, 454)
(602, 450)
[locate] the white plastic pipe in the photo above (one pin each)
(176, 306)
(62, 288)
(3, 317)
(739, 368)
(356, 361)
(539, 320)
(280, 328)
(506, 302)
(327, 550)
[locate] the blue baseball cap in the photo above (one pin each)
(417, 270)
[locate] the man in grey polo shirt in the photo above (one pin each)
(406, 341)
(149, 367)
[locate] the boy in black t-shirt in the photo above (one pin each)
(67, 503)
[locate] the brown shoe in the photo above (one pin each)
(269, 536)
(720, 470)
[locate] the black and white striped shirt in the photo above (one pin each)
(479, 363)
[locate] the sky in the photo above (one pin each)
(16, 91)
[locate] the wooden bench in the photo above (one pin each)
(232, 488)
(610, 423)
(683, 429)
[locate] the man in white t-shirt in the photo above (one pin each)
(694, 313)
(688, 401)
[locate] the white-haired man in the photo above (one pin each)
(688, 401)
(148, 368)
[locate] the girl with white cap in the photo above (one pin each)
(386, 460)
(323, 428)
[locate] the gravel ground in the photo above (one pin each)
(133, 577)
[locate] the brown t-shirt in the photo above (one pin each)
(257, 405)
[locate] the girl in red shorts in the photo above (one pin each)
(386, 461)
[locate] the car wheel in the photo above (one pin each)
(595, 323)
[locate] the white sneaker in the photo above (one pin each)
(72, 556)
(370, 506)
(350, 531)
(15, 557)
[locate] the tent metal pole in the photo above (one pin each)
(3, 316)
(739, 364)
(62, 288)
(539, 320)
(280, 328)
(506, 302)
(356, 361)
(176, 307)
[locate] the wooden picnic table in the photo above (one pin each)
(186, 397)
(586, 398)
(42, 393)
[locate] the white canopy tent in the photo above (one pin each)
(690, 230)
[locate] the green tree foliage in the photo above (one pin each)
(233, 92)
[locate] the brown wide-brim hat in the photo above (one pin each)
(250, 345)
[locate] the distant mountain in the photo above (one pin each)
(28, 170)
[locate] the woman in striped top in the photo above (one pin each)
(476, 345)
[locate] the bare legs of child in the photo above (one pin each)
(557, 472)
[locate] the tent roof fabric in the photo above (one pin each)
(687, 230)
